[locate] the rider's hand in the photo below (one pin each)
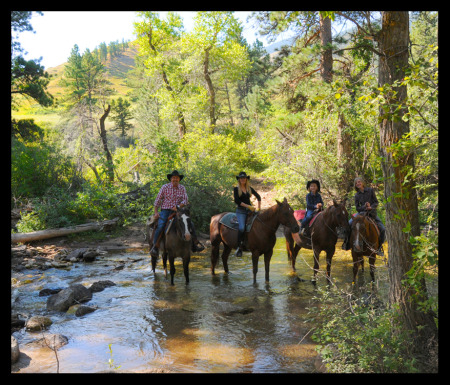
(251, 208)
(156, 215)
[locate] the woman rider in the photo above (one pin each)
(366, 201)
(242, 193)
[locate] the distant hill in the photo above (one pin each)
(116, 70)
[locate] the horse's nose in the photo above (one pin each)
(295, 229)
(187, 236)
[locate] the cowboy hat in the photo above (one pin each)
(242, 174)
(174, 173)
(313, 181)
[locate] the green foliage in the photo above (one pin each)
(36, 166)
(425, 264)
(356, 334)
(121, 115)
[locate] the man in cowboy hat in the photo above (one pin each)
(313, 202)
(170, 196)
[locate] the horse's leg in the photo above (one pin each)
(226, 252)
(372, 258)
(215, 249)
(255, 260)
(186, 260)
(267, 258)
(294, 255)
(355, 266)
(172, 268)
(330, 254)
(290, 247)
(164, 261)
(316, 253)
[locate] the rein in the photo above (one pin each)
(269, 227)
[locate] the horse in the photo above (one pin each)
(175, 243)
(260, 240)
(365, 241)
(328, 226)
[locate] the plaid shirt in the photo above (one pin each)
(169, 196)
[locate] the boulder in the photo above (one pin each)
(15, 352)
(67, 297)
(82, 310)
(55, 341)
(38, 323)
(100, 286)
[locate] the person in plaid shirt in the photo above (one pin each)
(170, 196)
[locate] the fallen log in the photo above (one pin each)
(52, 233)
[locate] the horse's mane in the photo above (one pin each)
(269, 212)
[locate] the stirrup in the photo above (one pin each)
(238, 252)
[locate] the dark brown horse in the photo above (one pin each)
(176, 243)
(328, 226)
(365, 241)
(260, 240)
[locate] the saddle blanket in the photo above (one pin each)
(299, 214)
(311, 222)
(230, 220)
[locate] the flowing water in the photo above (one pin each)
(216, 324)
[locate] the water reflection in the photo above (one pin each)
(216, 324)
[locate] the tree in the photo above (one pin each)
(158, 42)
(121, 115)
(215, 47)
(28, 77)
(402, 218)
(86, 97)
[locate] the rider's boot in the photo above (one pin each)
(240, 244)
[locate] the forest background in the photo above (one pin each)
(206, 103)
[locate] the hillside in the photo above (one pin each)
(116, 70)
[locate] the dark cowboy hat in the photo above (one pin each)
(242, 174)
(174, 173)
(313, 181)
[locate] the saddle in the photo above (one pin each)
(230, 220)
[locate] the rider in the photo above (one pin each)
(170, 196)
(366, 201)
(313, 202)
(242, 193)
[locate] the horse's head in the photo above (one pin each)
(184, 222)
(341, 219)
(358, 232)
(286, 216)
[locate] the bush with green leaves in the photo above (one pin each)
(357, 334)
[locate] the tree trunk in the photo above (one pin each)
(326, 58)
(52, 233)
(109, 159)
(344, 148)
(399, 187)
(212, 93)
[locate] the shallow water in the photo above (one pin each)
(216, 324)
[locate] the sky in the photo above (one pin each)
(56, 32)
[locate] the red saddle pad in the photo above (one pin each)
(299, 214)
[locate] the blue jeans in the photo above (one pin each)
(241, 213)
(307, 218)
(162, 220)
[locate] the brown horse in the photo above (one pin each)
(260, 240)
(328, 226)
(365, 241)
(176, 243)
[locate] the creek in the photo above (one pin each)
(216, 324)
